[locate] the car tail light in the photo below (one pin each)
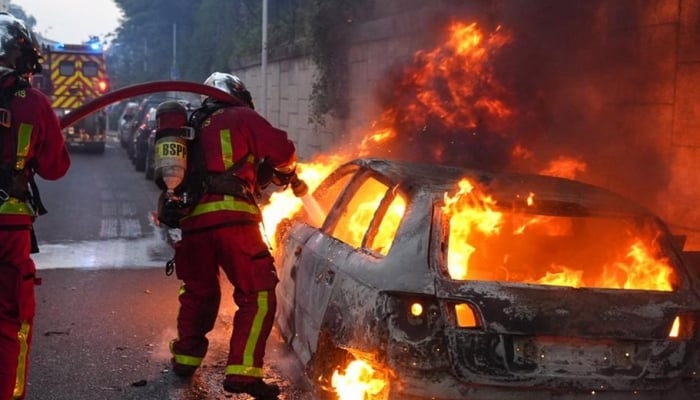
(466, 316)
(416, 309)
(415, 329)
(683, 327)
(417, 316)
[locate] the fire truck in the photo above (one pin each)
(74, 74)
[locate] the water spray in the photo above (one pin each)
(313, 209)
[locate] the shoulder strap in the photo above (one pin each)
(16, 181)
(6, 95)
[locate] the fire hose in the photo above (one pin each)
(172, 86)
(141, 89)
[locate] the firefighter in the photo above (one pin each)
(223, 231)
(30, 143)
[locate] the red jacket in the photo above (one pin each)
(34, 140)
(228, 135)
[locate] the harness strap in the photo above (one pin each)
(229, 183)
(13, 183)
(17, 177)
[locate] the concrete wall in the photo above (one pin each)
(644, 139)
(388, 39)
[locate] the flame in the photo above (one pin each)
(485, 243)
(283, 204)
(453, 86)
(361, 211)
(359, 382)
(449, 89)
(564, 167)
(640, 270)
(472, 214)
(452, 83)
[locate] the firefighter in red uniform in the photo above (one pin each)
(223, 230)
(30, 142)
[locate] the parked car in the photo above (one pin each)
(522, 286)
(124, 121)
(139, 121)
(140, 139)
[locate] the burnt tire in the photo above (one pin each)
(327, 359)
(140, 163)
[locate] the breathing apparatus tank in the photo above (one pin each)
(171, 136)
(171, 145)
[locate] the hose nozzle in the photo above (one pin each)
(299, 187)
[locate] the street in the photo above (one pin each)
(106, 310)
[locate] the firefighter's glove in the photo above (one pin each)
(299, 187)
(280, 178)
(265, 174)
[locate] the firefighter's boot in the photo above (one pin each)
(257, 388)
(183, 371)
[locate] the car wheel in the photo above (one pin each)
(324, 362)
(140, 162)
(149, 166)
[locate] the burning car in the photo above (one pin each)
(451, 283)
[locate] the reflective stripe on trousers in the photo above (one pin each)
(21, 379)
(250, 361)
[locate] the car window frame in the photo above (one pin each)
(347, 194)
(327, 183)
(379, 216)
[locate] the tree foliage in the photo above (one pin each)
(196, 38)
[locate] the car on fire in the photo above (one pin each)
(452, 283)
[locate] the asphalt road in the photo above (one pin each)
(104, 333)
(106, 310)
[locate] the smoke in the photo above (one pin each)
(161, 349)
(575, 84)
(583, 90)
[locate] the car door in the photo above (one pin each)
(328, 252)
(306, 261)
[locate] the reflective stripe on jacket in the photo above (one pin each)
(226, 136)
(35, 141)
(12, 205)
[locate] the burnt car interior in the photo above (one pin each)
(553, 245)
(368, 213)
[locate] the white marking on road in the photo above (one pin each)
(127, 209)
(117, 253)
(109, 228)
(129, 228)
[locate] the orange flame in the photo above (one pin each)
(485, 243)
(469, 212)
(450, 87)
(564, 167)
(359, 382)
(283, 204)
